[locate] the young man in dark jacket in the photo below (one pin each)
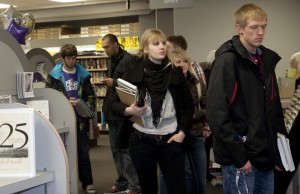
(244, 110)
(73, 81)
(119, 61)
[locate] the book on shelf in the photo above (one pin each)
(103, 121)
(97, 64)
(127, 93)
(286, 159)
(82, 109)
(100, 90)
(103, 63)
(25, 84)
(99, 104)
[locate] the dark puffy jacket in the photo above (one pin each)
(242, 102)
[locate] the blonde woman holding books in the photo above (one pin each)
(167, 114)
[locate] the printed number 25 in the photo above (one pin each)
(10, 133)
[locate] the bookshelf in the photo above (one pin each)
(97, 66)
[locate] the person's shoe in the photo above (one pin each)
(90, 189)
(128, 191)
(115, 189)
(210, 177)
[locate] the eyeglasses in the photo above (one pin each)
(71, 58)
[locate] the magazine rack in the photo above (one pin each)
(62, 116)
(51, 162)
(13, 60)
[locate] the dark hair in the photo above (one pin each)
(178, 41)
(68, 50)
(112, 38)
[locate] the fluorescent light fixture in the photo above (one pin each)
(66, 1)
(3, 5)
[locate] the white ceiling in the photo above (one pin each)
(23, 5)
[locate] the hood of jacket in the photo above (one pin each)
(82, 73)
(234, 45)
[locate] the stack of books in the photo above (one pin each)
(127, 93)
(82, 109)
(286, 159)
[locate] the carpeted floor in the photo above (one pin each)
(104, 173)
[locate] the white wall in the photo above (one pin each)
(209, 23)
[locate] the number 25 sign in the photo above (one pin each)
(17, 142)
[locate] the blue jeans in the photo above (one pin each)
(197, 157)
(127, 177)
(255, 182)
(195, 174)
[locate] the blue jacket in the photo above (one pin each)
(85, 89)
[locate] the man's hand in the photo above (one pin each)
(246, 168)
(73, 101)
(206, 133)
(108, 81)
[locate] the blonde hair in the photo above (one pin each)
(148, 37)
(182, 54)
(249, 11)
(295, 59)
(178, 53)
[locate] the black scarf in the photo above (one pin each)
(157, 80)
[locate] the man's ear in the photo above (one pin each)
(239, 29)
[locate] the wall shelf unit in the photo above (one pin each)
(53, 152)
(97, 66)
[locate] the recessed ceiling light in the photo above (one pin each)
(66, 1)
(2, 5)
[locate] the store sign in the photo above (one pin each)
(161, 4)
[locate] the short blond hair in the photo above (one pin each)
(182, 54)
(249, 11)
(150, 36)
(178, 53)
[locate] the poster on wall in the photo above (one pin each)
(17, 142)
